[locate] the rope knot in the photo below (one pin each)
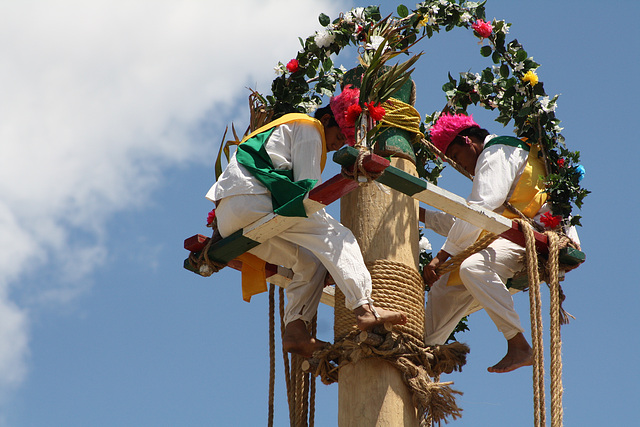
(357, 172)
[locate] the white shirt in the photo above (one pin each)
(497, 172)
(293, 146)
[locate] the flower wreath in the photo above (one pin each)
(510, 86)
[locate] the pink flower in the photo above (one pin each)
(550, 221)
(377, 113)
(352, 114)
(210, 217)
(293, 66)
(483, 29)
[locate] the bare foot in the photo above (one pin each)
(296, 339)
(519, 354)
(366, 320)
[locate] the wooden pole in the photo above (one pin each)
(385, 223)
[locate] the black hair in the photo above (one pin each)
(320, 112)
(474, 131)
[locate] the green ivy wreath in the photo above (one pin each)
(509, 86)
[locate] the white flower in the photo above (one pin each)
(519, 66)
(341, 68)
(435, 9)
(466, 17)
(374, 42)
(279, 69)
(424, 244)
(324, 39)
(548, 105)
(358, 14)
(444, 2)
(348, 17)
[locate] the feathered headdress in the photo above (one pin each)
(447, 127)
(346, 110)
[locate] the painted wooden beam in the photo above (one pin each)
(275, 274)
(447, 201)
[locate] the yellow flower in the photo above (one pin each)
(530, 77)
(424, 22)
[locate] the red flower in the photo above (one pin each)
(483, 29)
(352, 114)
(377, 113)
(561, 162)
(211, 216)
(550, 221)
(293, 66)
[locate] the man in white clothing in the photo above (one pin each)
(504, 169)
(296, 145)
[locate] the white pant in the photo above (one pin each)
(310, 248)
(483, 276)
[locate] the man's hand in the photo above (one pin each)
(429, 274)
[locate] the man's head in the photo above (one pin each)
(460, 138)
(333, 135)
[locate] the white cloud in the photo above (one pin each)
(98, 97)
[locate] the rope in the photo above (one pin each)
(557, 319)
(539, 412)
(300, 388)
(402, 116)
(358, 172)
(454, 262)
(396, 287)
(418, 364)
(206, 267)
(272, 353)
(555, 346)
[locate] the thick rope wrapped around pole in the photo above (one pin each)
(396, 287)
(418, 364)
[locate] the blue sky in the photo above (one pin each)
(110, 120)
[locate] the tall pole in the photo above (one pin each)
(371, 391)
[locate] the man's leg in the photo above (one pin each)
(446, 305)
(305, 289)
(336, 247)
(484, 274)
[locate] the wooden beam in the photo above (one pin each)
(449, 202)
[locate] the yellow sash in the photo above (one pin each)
(528, 197)
(253, 268)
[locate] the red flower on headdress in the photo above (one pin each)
(550, 221)
(376, 112)
(352, 114)
(211, 216)
(483, 29)
(561, 162)
(293, 66)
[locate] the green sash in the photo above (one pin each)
(286, 195)
(508, 140)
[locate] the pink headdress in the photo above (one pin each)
(346, 110)
(447, 127)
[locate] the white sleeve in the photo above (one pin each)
(306, 150)
(497, 169)
(440, 222)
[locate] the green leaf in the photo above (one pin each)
(486, 51)
(403, 12)
(504, 71)
(324, 20)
